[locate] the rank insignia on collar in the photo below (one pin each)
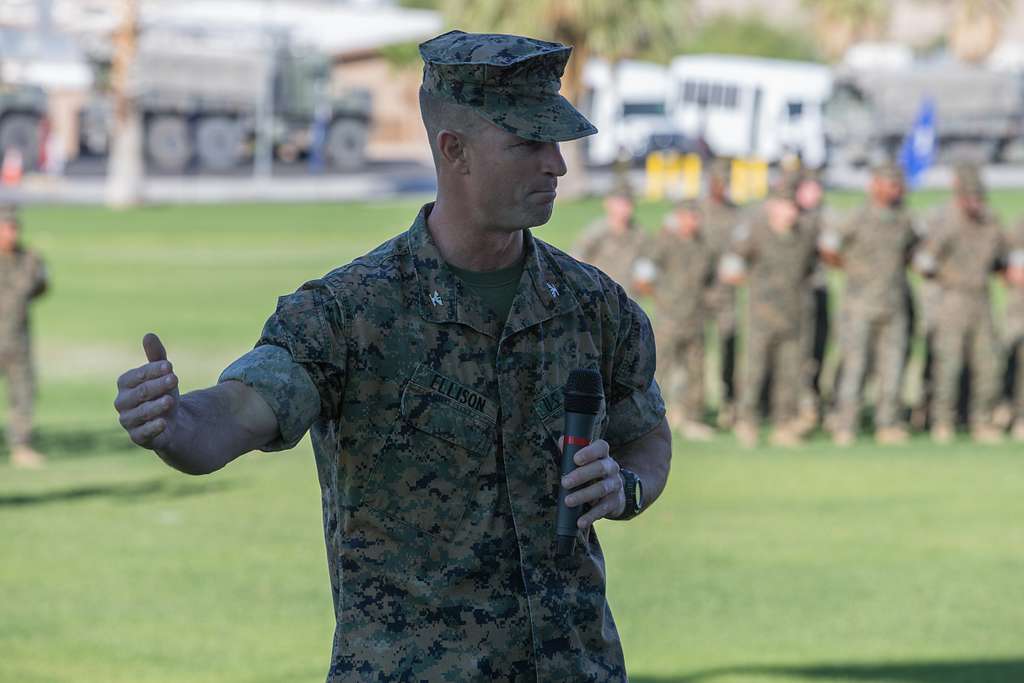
(553, 290)
(436, 299)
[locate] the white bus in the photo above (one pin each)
(750, 106)
(627, 104)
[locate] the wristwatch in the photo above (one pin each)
(634, 490)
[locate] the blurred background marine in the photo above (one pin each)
(961, 255)
(873, 247)
(1013, 332)
(22, 279)
(615, 243)
(775, 254)
(810, 195)
(719, 218)
(683, 269)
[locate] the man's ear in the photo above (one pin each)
(452, 149)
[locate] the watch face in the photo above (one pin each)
(638, 493)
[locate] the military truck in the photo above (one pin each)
(22, 112)
(202, 100)
(978, 112)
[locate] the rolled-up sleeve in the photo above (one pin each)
(635, 405)
(284, 385)
(298, 364)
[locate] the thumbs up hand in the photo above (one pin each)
(147, 397)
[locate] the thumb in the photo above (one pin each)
(154, 348)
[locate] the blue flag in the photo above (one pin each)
(918, 150)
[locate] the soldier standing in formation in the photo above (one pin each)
(683, 269)
(614, 243)
(961, 255)
(22, 279)
(810, 197)
(719, 217)
(873, 247)
(1014, 329)
(775, 254)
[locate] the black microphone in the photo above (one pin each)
(583, 397)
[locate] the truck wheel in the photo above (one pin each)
(346, 144)
(22, 132)
(168, 144)
(219, 143)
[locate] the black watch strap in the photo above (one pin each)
(634, 490)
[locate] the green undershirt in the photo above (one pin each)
(496, 288)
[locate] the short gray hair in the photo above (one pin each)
(439, 114)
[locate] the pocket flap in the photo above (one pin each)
(445, 418)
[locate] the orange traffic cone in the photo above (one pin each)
(10, 172)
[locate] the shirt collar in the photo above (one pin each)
(543, 290)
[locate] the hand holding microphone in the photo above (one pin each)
(589, 474)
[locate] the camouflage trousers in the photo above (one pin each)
(16, 367)
(721, 301)
(879, 341)
(1013, 369)
(681, 374)
(965, 333)
(777, 353)
(814, 340)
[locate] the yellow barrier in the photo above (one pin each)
(749, 180)
(670, 175)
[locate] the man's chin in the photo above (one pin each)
(540, 215)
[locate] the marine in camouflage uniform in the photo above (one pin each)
(809, 195)
(435, 408)
(961, 255)
(684, 268)
(22, 279)
(874, 246)
(1013, 331)
(774, 253)
(615, 242)
(720, 216)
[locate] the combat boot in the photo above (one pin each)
(1002, 416)
(891, 436)
(695, 431)
(746, 434)
(807, 421)
(987, 435)
(843, 438)
(25, 457)
(726, 416)
(942, 433)
(786, 437)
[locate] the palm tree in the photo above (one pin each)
(838, 24)
(975, 27)
(612, 29)
(124, 165)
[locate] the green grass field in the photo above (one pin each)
(904, 564)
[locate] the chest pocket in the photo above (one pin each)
(427, 468)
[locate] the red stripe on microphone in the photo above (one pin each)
(576, 441)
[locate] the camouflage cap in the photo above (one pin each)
(888, 170)
(719, 168)
(813, 175)
(785, 187)
(511, 81)
(622, 188)
(968, 179)
(9, 213)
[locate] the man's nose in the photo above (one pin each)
(554, 162)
